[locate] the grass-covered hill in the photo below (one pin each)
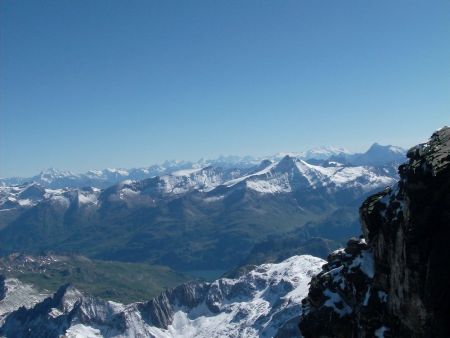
(117, 281)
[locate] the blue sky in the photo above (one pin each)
(92, 84)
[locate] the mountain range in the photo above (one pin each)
(260, 223)
(56, 179)
(264, 302)
(196, 218)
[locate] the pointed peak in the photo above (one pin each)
(288, 158)
(286, 163)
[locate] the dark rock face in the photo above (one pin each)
(396, 285)
(2, 287)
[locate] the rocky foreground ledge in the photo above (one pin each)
(395, 280)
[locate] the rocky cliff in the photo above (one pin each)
(394, 281)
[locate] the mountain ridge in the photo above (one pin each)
(199, 214)
(54, 178)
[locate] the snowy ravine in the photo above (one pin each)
(264, 302)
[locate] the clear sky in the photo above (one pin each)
(92, 84)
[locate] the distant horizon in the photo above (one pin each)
(194, 161)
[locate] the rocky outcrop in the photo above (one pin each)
(394, 281)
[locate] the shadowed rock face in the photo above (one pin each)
(406, 231)
(2, 287)
(159, 311)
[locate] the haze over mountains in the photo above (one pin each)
(196, 217)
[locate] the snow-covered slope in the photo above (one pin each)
(290, 174)
(261, 303)
(202, 179)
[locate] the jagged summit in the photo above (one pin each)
(406, 233)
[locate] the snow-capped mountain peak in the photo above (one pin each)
(290, 174)
(376, 147)
(51, 174)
